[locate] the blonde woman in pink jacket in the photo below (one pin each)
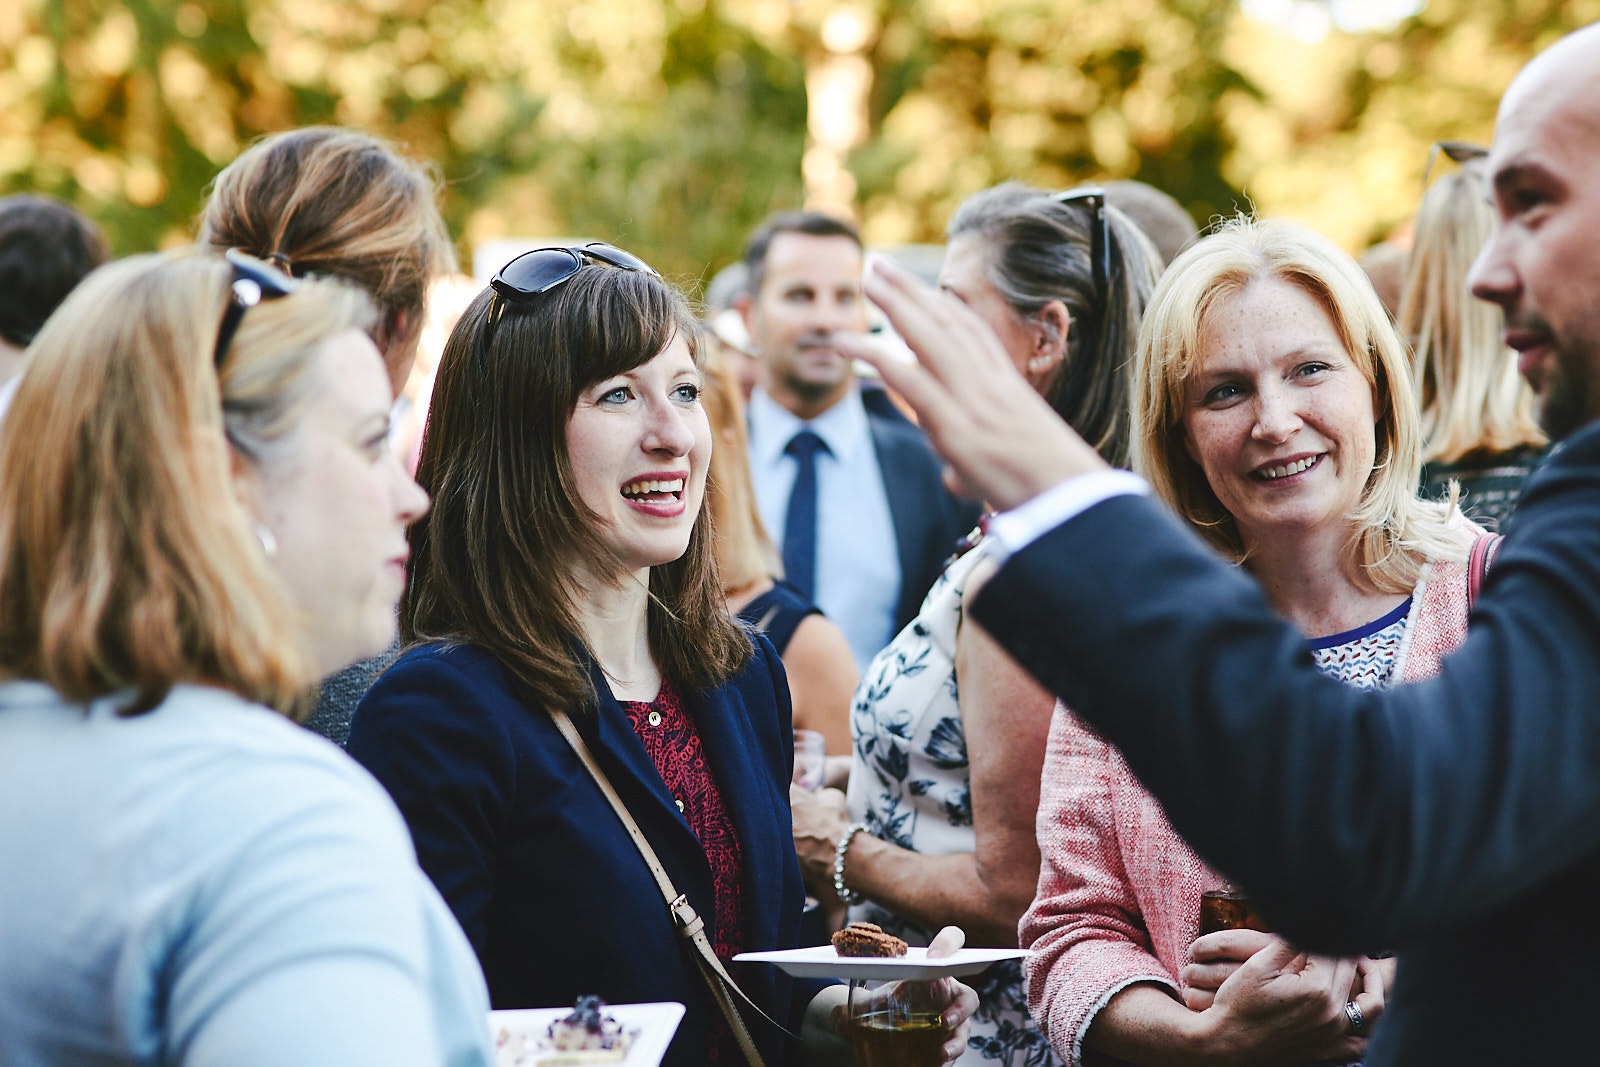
(1272, 409)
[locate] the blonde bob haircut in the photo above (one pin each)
(1473, 399)
(127, 562)
(1395, 531)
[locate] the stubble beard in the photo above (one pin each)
(1570, 398)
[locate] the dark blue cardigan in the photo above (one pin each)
(537, 867)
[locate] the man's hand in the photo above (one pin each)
(1213, 959)
(1002, 443)
(1286, 1006)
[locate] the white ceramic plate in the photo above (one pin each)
(656, 1024)
(824, 961)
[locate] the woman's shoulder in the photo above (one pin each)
(778, 613)
(443, 666)
(236, 770)
(1448, 568)
(1441, 603)
(764, 664)
(781, 595)
(458, 696)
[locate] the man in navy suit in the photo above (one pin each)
(1456, 821)
(879, 525)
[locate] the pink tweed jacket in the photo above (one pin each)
(1119, 890)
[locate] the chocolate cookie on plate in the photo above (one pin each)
(867, 939)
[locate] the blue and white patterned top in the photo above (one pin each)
(910, 784)
(1364, 657)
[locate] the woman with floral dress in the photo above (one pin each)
(936, 830)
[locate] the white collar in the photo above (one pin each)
(843, 427)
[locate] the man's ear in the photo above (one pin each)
(745, 305)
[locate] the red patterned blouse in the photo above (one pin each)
(673, 744)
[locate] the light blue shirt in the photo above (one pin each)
(858, 561)
(208, 883)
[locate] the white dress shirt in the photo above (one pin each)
(858, 562)
(1024, 524)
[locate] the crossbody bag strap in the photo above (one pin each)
(1484, 550)
(690, 926)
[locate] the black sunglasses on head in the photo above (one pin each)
(1099, 236)
(253, 281)
(1457, 152)
(542, 269)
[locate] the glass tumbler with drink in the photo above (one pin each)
(1226, 908)
(896, 1024)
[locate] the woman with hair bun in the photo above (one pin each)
(340, 203)
(345, 204)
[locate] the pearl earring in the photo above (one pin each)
(1040, 364)
(269, 543)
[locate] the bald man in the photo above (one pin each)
(1456, 821)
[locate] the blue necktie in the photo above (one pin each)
(800, 524)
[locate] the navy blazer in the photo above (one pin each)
(928, 520)
(1456, 820)
(537, 867)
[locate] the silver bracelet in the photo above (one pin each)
(838, 865)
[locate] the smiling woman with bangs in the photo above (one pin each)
(565, 581)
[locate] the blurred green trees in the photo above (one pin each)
(674, 125)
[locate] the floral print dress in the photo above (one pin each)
(910, 785)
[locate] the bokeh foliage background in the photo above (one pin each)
(674, 125)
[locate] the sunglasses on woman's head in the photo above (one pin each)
(1099, 256)
(253, 281)
(1099, 238)
(542, 269)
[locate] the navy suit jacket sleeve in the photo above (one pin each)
(1359, 819)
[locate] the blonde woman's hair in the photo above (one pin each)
(1397, 531)
(745, 552)
(1473, 399)
(343, 203)
(127, 562)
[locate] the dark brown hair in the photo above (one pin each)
(46, 248)
(809, 223)
(495, 561)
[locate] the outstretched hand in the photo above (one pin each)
(1001, 442)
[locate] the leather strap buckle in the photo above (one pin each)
(689, 921)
